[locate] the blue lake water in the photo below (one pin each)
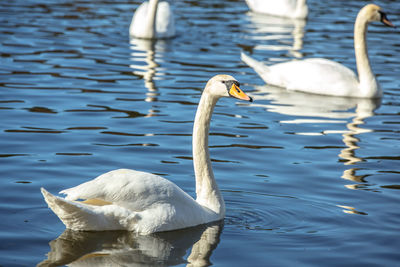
(307, 180)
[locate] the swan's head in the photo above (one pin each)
(226, 86)
(374, 13)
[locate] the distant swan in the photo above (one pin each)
(153, 20)
(146, 203)
(295, 9)
(326, 77)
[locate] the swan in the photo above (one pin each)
(153, 20)
(146, 203)
(295, 9)
(326, 77)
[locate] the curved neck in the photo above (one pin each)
(207, 191)
(368, 84)
(151, 19)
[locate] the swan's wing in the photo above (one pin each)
(137, 27)
(127, 188)
(316, 75)
(165, 22)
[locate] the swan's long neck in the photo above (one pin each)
(368, 84)
(151, 19)
(207, 191)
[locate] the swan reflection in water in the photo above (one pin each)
(277, 33)
(121, 248)
(325, 109)
(144, 65)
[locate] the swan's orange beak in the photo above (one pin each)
(236, 92)
(385, 20)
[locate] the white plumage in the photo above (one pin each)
(146, 203)
(295, 9)
(153, 20)
(139, 201)
(327, 77)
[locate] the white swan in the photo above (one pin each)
(146, 203)
(295, 9)
(153, 20)
(326, 77)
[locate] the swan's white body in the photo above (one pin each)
(139, 201)
(326, 77)
(146, 203)
(153, 20)
(295, 9)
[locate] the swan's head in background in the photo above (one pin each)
(374, 13)
(223, 85)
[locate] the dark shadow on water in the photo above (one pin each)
(121, 248)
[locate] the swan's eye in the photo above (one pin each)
(231, 82)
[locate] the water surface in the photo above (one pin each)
(307, 180)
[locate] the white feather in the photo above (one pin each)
(295, 9)
(164, 22)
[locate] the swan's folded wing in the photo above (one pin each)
(127, 188)
(165, 25)
(315, 75)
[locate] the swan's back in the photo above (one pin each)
(131, 189)
(129, 200)
(281, 8)
(314, 75)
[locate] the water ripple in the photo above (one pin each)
(280, 214)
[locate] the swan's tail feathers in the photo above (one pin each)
(74, 215)
(262, 70)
